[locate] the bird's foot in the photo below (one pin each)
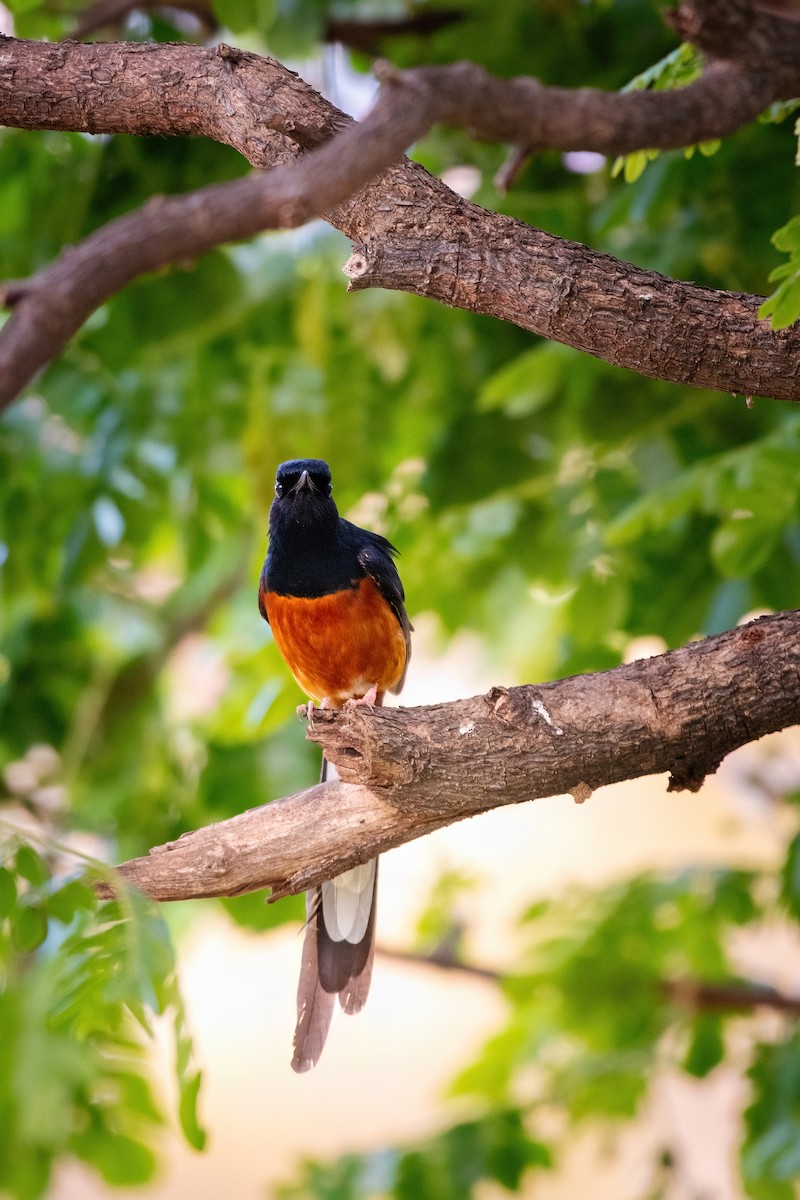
(306, 711)
(369, 699)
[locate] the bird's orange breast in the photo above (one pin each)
(339, 646)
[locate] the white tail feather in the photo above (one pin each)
(346, 903)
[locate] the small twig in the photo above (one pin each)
(509, 172)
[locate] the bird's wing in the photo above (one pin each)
(375, 559)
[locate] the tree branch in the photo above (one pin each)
(406, 772)
(694, 994)
(364, 35)
(443, 961)
(410, 231)
(729, 997)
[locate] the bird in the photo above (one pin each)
(332, 596)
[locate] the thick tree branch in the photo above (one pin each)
(630, 317)
(408, 771)
(410, 231)
(176, 90)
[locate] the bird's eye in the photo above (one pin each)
(330, 489)
(279, 490)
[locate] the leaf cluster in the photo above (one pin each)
(608, 996)
(80, 984)
(494, 1149)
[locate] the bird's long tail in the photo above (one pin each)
(338, 950)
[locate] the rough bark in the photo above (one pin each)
(408, 771)
(471, 259)
(410, 232)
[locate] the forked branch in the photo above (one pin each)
(410, 231)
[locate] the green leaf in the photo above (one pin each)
(527, 383)
(783, 306)
(510, 1151)
(121, 1160)
(740, 546)
(65, 902)
(784, 271)
(787, 238)
(8, 892)
(135, 1094)
(635, 165)
(779, 111)
(770, 1155)
(676, 69)
(790, 878)
(28, 927)
(733, 897)
(602, 1086)
(656, 510)
(707, 1046)
(192, 1130)
(415, 1179)
(31, 866)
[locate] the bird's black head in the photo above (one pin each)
(303, 495)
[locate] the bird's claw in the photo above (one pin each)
(306, 711)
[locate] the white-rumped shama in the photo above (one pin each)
(334, 601)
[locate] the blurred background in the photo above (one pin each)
(616, 1009)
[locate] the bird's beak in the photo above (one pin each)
(304, 483)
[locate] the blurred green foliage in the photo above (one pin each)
(81, 983)
(602, 999)
(554, 504)
(496, 1148)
